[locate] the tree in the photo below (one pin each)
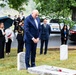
(16, 4)
(58, 7)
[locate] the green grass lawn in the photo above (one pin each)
(8, 65)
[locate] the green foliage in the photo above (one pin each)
(68, 22)
(17, 4)
(8, 65)
(58, 7)
(2, 5)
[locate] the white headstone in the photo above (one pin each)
(63, 52)
(21, 61)
(51, 70)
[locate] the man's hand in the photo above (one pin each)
(20, 23)
(35, 40)
(4, 33)
(64, 38)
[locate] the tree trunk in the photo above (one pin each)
(74, 13)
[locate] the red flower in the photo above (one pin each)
(60, 70)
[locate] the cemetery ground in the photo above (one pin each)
(8, 65)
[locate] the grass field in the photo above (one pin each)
(8, 65)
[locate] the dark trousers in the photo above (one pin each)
(2, 43)
(20, 46)
(41, 47)
(30, 54)
(63, 41)
(8, 46)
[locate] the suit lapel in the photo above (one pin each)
(33, 22)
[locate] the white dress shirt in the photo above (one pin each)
(36, 23)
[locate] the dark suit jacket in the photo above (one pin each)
(30, 29)
(45, 32)
(2, 37)
(18, 19)
(20, 34)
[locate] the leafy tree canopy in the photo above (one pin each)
(15, 4)
(58, 7)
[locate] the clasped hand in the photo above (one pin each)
(36, 40)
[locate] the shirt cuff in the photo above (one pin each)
(33, 38)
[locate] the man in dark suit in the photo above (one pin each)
(31, 37)
(19, 19)
(15, 23)
(45, 32)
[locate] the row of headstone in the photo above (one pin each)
(21, 57)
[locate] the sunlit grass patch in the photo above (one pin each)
(8, 65)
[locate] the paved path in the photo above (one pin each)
(54, 41)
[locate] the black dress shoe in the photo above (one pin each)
(33, 65)
(27, 68)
